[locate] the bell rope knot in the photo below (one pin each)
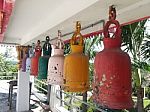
(59, 43)
(77, 33)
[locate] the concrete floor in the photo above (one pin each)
(4, 107)
(4, 89)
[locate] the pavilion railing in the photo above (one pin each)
(8, 75)
(74, 107)
(41, 85)
(69, 101)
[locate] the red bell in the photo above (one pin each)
(35, 59)
(112, 83)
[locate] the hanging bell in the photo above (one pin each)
(25, 56)
(112, 80)
(76, 65)
(28, 61)
(43, 60)
(35, 59)
(56, 64)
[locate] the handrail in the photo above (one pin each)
(68, 104)
(71, 96)
(9, 75)
(88, 104)
(8, 72)
(42, 82)
(41, 88)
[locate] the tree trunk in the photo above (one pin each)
(140, 107)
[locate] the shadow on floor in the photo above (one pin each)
(4, 105)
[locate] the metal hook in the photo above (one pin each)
(59, 34)
(112, 12)
(59, 43)
(78, 26)
(76, 33)
(47, 39)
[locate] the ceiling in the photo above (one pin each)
(34, 19)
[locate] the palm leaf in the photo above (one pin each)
(132, 36)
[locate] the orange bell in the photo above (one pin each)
(76, 65)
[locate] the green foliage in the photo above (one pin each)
(90, 50)
(7, 66)
(145, 48)
(147, 92)
(141, 64)
(135, 41)
(133, 36)
(90, 46)
(67, 49)
(41, 85)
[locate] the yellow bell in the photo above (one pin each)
(76, 65)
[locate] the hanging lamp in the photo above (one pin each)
(35, 59)
(76, 65)
(56, 63)
(112, 80)
(43, 60)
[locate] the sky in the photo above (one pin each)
(11, 49)
(148, 27)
